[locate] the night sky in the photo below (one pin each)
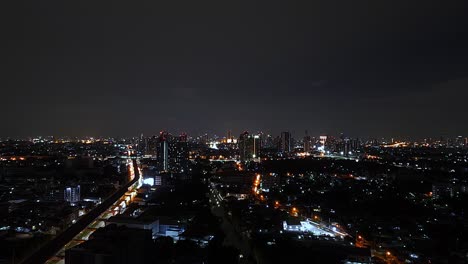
(121, 68)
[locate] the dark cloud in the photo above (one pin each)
(369, 68)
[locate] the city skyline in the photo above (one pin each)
(285, 197)
(295, 135)
(234, 132)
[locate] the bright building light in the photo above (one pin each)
(149, 181)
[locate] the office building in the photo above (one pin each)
(72, 194)
(285, 142)
(163, 151)
(249, 146)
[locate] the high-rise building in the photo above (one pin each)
(178, 154)
(151, 146)
(355, 144)
(268, 142)
(346, 146)
(172, 153)
(323, 142)
(141, 144)
(163, 151)
(72, 194)
(307, 142)
(285, 142)
(249, 146)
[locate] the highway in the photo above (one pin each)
(54, 250)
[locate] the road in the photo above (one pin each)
(233, 236)
(54, 250)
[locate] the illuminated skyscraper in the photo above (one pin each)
(249, 146)
(178, 154)
(163, 151)
(172, 153)
(72, 194)
(323, 141)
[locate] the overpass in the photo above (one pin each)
(53, 250)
